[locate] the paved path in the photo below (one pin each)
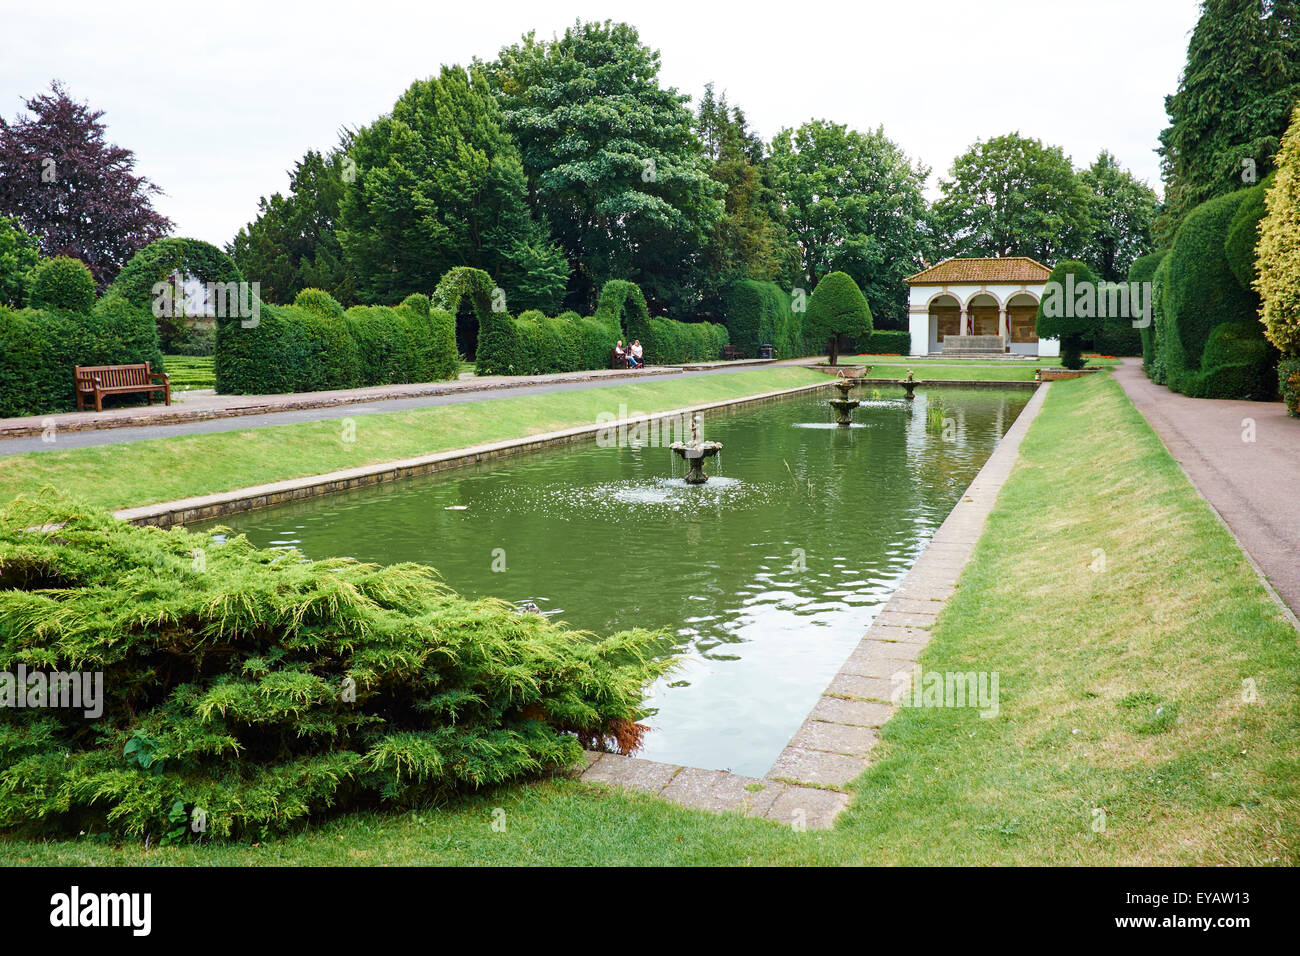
(231, 410)
(1251, 484)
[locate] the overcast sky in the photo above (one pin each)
(218, 99)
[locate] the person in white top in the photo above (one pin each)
(637, 362)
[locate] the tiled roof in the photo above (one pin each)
(981, 271)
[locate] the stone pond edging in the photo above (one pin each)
(834, 744)
(221, 504)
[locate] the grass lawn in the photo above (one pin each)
(1004, 372)
(190, 371)
(164, 469)
(1121, 691)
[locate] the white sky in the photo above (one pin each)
(218, 99)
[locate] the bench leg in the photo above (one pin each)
(99, 401)
(169, 394)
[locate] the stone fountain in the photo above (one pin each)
(909, 384)
(695, 452)
(844, 405)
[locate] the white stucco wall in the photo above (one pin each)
(925, 336)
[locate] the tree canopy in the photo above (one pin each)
(19, 253)
(72, 189)
(1232, 105)
(1121, 210)
(438, 184)
(1012, 196)
(1278, 250)
(854, 203)
(612, 161)
(749, 240)
(293, 243)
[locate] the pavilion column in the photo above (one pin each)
(965, 322)
(1003, 330)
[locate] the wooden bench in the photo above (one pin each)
(730, 352)
(101, 380)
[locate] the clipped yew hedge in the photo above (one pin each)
(1058, 318)
(534, 343)
(1288, 380)
(885, 342)
(40, 349)
(760, 313)
(62, 283)
(316, 345)
(1201, 290)
(156, 263)
(1238, 362)
(1144, 269)
(256, 690)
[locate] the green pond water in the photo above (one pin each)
(765, 577)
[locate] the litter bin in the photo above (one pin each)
(766, 352)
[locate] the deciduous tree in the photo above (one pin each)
(854, 203)
(612, 161)
(1012, 196)
(438, 185)
(1121, 210)
(72, 189)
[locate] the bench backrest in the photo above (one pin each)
(116, 376)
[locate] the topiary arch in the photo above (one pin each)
(496, 343)
(156, 263)
(622, 304)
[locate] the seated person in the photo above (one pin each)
(620, 356)
(634, 355)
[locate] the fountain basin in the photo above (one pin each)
(695, 455)
(844, 405)
(844, 409)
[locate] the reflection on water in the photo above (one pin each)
(765, 577)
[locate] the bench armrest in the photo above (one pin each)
(161, 375)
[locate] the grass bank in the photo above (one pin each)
(164, 469)
(1149, 709)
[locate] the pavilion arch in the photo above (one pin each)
(1022, 315)
(945, 310)
(984, 313)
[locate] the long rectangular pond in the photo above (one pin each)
(765, 577)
